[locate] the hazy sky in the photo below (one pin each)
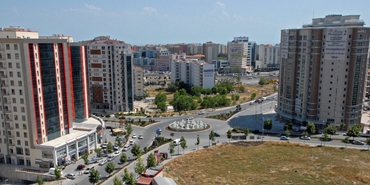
(140, 22)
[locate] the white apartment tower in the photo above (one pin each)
(193, 72)
(323, 71)
(110, 74)
(269, 55)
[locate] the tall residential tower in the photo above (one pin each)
(323, 70)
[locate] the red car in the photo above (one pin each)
(80, 167)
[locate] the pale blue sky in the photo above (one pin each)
(141, 22)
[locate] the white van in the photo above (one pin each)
(176, 142)
(52, 171)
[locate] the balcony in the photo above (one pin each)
(10, 136)
(8, 119)
(3, 76)
(5, 94)
(4, 85)
(10, 127)
(7, 111)
(11, 144)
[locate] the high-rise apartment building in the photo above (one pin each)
(241, 52)
(110, 66)
(210, 51)
(138, 82)
(44, 105)
(323, 70)
(193, 72)
(268, 55)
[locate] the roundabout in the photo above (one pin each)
(188, 125)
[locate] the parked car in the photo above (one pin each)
(217, 134)
(92, 161)
(104, 145)
(115, 147)
(284, 138)
(109, 158)
(81, 167)
(132, 142)
(116, 153)
(141, 136)
(134, 136)
(71, 176)
(126, 148)
(305, 138)
(357, 142)
(87, 170)
(103, 162)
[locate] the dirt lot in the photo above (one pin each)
(270, 163)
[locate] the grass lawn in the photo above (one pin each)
(270, 163)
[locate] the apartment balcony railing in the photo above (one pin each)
(11, 144)
(11, 136)
(10, 128)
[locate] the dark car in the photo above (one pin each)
(217, 135)
(80, 167)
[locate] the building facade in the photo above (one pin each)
(110, 69)
(157, 59)
(210, 51)
(44, 99)
(323, 70)
(138, 82)
(269, 55)
(193, 72)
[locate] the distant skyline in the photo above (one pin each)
(170, 22)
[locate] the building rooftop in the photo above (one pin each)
(164, 181)
(79, 130)
(336, 20)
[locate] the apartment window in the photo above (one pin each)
(14, 100)
(15, 117)
(15, 46)
(25, 134)
(16, 56)
(23, 118)
(18, 142)
(25, 143)
(10, 65)
(18, 65)
(15, 109)
(10, 74)
(19, 74)
(7, 46)
(22, 101)
(24, 127)
(11, 83)
(361, 37)
(20, 92)
(23, 109)
(17, 126)
(19, 83)
(329, 94)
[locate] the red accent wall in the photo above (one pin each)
(66, 85)
(33, 94)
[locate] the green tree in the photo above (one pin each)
(151, 161)
(136, 150)
(346, 140)
(139, 168)
(119, 141)
(310, 128)
(253, 95)
(109, 168)
(326, 136)
(110, 147)
(85, 158)
(241, 88)
(211, 136)
(288, 126)
(354, 131)
(331, 129)
(162, 106)
(267, 124)
(196, 90)
(263, 81)
(160, 97)
(98, 152)
(39, 180)
(229, 134)
(123, 158)
(129, 130)
(116, 181)
(172, 148)
(57, 173)
(94, 176)
(246, 131)
(198, 142)
(183, 144)
(125, 176)
(287, 133)
(132, 179)
(342, 125)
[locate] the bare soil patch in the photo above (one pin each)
(270, 163)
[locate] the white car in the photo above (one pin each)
(115, 147)
(125, 148)
(141, 136)
(116, 153)
(103, 162)
(134, 136)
